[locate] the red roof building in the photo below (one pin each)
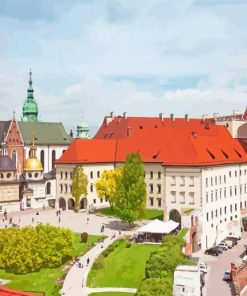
(10, 292)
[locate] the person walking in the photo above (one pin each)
(87, 220)
(88, 261)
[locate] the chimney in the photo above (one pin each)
(124, 115)
(208, 125)
(111, 114)
(186, 117)
(161, 116)
(129, 132)
(71, 133)
(172, 117)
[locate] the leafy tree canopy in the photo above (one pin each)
(156, 287)
(79, 185)
(106, 186)
(131, 190)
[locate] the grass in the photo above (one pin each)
(111, 294)
(44, 280)
(124, 267)
(148, 214)
(182, 232)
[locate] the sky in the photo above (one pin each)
(143, 57)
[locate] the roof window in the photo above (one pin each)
(211, 154)
(140, 127)
(156, 155)
(194, 134)
(239, 155)
(225, 154)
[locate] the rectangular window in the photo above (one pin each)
(151, 175)
(98, 174)
(215, 180)
(61, 175)
(61, 188)
(240, 188)
(173, 183)
(220, 193)
(192, 181)
(101, 200)
(231, 208)
(192, 197)
(91, 175)
(236, 207)
(225, 179)
(225, 192)
(159, 202)
(70, 188)
(235, 190)
(220, 211)
(225, 210)
(207, 216)
(206, 182)
(158, 188)
(182, 197)
(151, 188)
(66, 175)
(182, 181)
(230, 174)
(220, 179)
(94, 201)
(212, 183)
(212, 196)
(212, 214)
(151, 201)
(66, 188)
(173, 196)
(216, 213)
(207, 197)
(230, 191)
(236, 173)
(159, 175)
(91, 187)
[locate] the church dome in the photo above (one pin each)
(30, 107)
(6, 163)
(33, 164)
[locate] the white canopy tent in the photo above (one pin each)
(157, 226)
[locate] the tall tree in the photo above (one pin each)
(79, 185)
(131, 190)
(106, 186)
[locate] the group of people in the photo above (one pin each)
(58, 212)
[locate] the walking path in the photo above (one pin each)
(76, 279)
(97, 290)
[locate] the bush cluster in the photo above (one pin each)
(28, 249)
(160, 268)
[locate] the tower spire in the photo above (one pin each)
(30, 77)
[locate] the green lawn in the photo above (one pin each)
(182, 232)
(44, 280)
(123, 267)
(111, 294)
(149, 214)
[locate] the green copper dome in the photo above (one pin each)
(30, 107)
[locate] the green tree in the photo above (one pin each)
(131, 190)
(79, 185)
(106, 186)
(156, 287)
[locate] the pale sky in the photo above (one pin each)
(142, 57)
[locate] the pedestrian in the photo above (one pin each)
(102, 246)
(88, 261)
(10, 220)
(119, 232)
(57, 213)
(87, 220)
(5, 214)
(43, 207)
(59, 219)
(19, 221)
(82, 282)
(32, 220)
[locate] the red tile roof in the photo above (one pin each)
(176, 143)
(10, 292)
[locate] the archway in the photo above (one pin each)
(83, 203)
(175, 216)
(48, 188)
(71, 204)
(62, 203)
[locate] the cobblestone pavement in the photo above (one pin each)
(218, 265)
(77, 222)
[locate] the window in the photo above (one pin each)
(215, 180)
(240, 189)
(42, 157)
(66, 175)
(91, 187)
(192, 197)
(91, 175)
(231, 208)
(101, 200)
(8, 175)
(61, 175)
(30, 175)
(151, 188)
(53, 158)
(230, 191)
(158, 188)
(220, 211)
(159, 202)
(220, 193)
(207, 197)
(212, 182)
(61, 188)
(224, 178)
(182, 181)
(173, 183)
(207, 216)
(71, 175)
(70, 188)
(151, 175)
(220, 179)
(192, 181)
(36, 175)
(151, 201)
(216, 213)
(230, 174)
(216, 195)
(212, 214)
(225, 210)
(98, 174)
(14, 157)
(182, 197)
(94, 201)
(212, 196)
(236, 207)
(206, 182)
(225, 192)
(236, 173)
(235, 190)
(66, 188)
(159, 175)
(173, 196)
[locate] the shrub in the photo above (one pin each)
(128, 245)
(84, 237)
(156, 287)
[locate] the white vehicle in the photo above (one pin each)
(203, 267)
(245, 259)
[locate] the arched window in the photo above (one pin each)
(42, 158)
(53, 157)
(48, 188)
(14, 157)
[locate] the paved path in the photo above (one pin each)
(76, 279)
(125, 290)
